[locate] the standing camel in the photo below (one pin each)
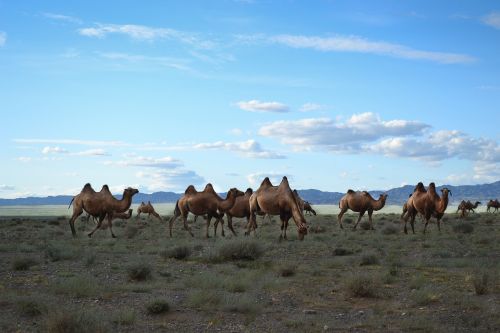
(277, 200)
(147, 209)
(206, 202)
(240, 209)
(428, 203)
(493, 204)
(99, 204)
(360, 202)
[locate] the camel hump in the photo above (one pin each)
(365, 193)
(284, 180)
(266, 182)
(190, 190)
(87, 187)
(249, 191)
(209, 188)
(350, 191)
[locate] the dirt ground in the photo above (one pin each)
(335, 280)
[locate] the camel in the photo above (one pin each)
(467, 206)
(206, 202)
(360, 202)
(428, 204)
(99, 204)
(147, 209)
(493, 204)
(308, 208)
(305, 206)
(240, 209)
(277, 200)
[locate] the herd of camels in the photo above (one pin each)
(268, 199)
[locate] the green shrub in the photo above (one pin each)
(157, 306)
(369, 259)
(23, 263)
(124, 317)
(363, 285)
(240, 304)
(287, 270)
(464, 228)
(78, 286)
(240, 250)
(30, 306)
(76, 321)
(177, 252)
(57, 252)
(139, 271)
(425, 296)
(204, 298)
(481, 281)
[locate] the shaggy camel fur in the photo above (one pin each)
(147, 209)
(206, 202)
(99, 204)
(493, 204)
(277, 200)
(240, 209)
(360, 202)
(467, 206)
(428, 203)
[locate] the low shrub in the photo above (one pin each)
(339, 251)
(157, 306)
(177, 252)
(369, 259)
(23, 263)
(240, 250)
(464, 228)
(363, 285)
(139, 271)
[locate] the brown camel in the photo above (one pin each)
(277, 200)
(99, 204)
(240, 209)
(493, 204)
(308, 208)
(428, 203)
(467, 206)
(360, 202)
(147, 209)
(206, 202)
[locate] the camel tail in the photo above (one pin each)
(71, 202)
(176, 209)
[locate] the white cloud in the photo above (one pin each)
(249, 148)
(306, 134)
(258, 106)
(92, 152)
(176, 63)
(64, 18)
(24, 159)
(307, 107)
(275, 177)
(438, 146)
(3, 38)
(171, 180)
(54, 150)
(148, 162)
(492, 19)
(236, 131)
(141, 32)
(357, 44)
(486, 172)
(4, 187)
(72, 142)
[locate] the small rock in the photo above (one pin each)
(310, 311)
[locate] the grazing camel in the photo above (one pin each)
(99, 204)
(305, 206)
(277, 200)
(308, 208)
(147, 209)
(493, 204)
(240, 209)
(428, 204)
(360, 202)
(467, 206)
(206, 202)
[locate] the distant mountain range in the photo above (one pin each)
(396, 196)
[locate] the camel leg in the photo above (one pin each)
(250, 223)
(171, 222)
(72, 223)
(359, 218)
(426, 223)
(138, 215)
(101, 218)
(186, 227)
(110, 219)
(230, 224)
(208, 225)
(341, 214)
(221, 219)
(370, 212)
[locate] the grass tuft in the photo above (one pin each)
(240, 250)
(139, 271)
(363, 285)
(178, 252)
(23, 263)
(464, 228)
(157, 306)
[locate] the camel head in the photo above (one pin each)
(383, 197)
(130, 191)
(445, 190)
(234, 192)
(432, 186)
(302, 230)
(477, 203)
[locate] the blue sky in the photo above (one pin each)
(333, 94)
